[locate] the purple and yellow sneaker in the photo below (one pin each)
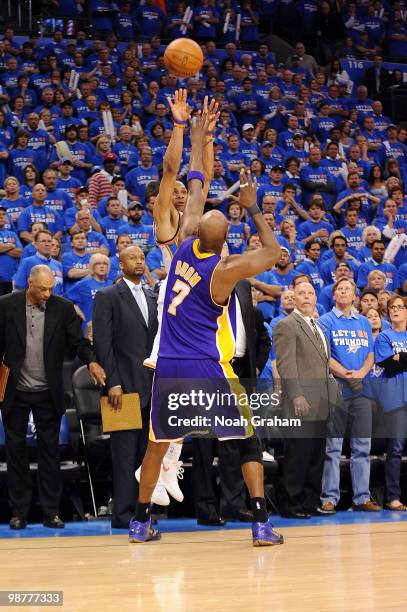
(264, 534)
(142, 532)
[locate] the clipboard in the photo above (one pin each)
(4, 374)
(128, 417)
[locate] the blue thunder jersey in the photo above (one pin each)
(193, 325)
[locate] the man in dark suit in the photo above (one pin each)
(252, 351)
(376, 78)
(35, 330)
(124, 327)
(309, 391)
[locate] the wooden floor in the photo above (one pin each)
(333, 568)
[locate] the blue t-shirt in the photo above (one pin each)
(8, 264)
(24, 269)
(14, 208)
(78, 262)
(328, 269)
(390, 390)
(350, 340)
(110, 229)
(390, 271)
(237, 238)
(141, 235)
(83, 293)
(32, 213)
(312, 269)
(138, 179)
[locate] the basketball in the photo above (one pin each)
(183, 57)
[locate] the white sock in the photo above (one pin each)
(173, 452)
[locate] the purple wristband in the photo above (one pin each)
(180, 122)
(195, 174)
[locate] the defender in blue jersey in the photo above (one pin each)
(199, 289)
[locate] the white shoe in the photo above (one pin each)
(268, 457)
(160, 495)
(171, 471)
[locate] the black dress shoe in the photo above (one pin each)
(16, 522)
(296, 515)
(243, 516)
(54, 521)
(212, 521)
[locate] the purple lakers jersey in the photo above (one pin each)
(193, 325)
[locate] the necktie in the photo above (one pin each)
(141, 301)
(318, 336)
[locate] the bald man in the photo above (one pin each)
(36, 328)
(198, 341)
(124, 327)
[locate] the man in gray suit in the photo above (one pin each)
(308, 391)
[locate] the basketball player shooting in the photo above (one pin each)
(168, 209)
(198, 334)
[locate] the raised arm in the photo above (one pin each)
(236, 267)
(200, 127)
(166, 217)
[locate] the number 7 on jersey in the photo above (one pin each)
(182, 290)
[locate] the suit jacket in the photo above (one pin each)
(62, 330)
(370, 81)
(122, 339)
(304, 367)
(257, 338)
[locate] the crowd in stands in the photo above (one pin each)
(331, 167)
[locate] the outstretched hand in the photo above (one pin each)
(212, 110)
(200, 127)
(180, 107)
(248, 189)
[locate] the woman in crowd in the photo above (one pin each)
(376, 280)
(13, 201)
(6, 133)
(31, 177)
(56, 249)
(346, 140)
(46, 118)
(391, 354)
(339, 76)
(377, 184)
(289, 232)
(383, 297)
(375, 321)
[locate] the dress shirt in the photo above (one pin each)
(311, 326)
(138, 293)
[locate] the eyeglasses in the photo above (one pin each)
(396, 307)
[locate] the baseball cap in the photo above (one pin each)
(277, 168)
(65, 160)
(298, 135)
(391, 125)
(131, 205)
(248, 126)
(109, 157)
(266, 143)
(71, 126)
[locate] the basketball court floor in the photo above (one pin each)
(349, 562)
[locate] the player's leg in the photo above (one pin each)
(171, 468)
(253, 474)
(140, 529)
